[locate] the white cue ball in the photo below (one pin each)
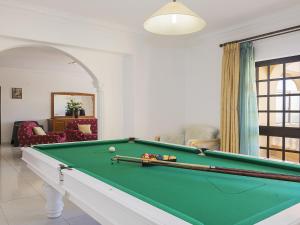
(112, 149)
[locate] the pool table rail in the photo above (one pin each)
(105, 203)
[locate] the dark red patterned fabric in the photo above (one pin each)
(73, 134)
(27, 137)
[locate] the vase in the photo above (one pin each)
(76, 113)
(69, 113)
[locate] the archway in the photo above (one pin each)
(73, 60)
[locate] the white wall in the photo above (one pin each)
(278, 47)
(204, 61)
(120, 62)
(166, 90)
(37, 87)
(35, 25)
(203, 84)
(159, 91)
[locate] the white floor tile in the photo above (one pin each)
(25, 172)
(28, 211)
(14, 186)
(21, 195)
(71, 211)
(37, 184)
(2, 218)
(48, 222)
(83, 220)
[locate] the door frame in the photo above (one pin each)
(270, 131)
(0, 117)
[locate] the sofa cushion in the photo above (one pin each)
(213, 144)
(38, 131)
(85, 128)
(173, 138)
(200, 132)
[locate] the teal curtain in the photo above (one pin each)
(249, 127)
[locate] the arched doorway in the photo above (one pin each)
(42, 59)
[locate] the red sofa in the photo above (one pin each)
(27, 137)
(73, 134)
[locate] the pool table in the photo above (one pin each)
(129, 193)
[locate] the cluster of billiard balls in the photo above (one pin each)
(171, 158)
(152, 156)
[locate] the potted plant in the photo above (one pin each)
(73, 108)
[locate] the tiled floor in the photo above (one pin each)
(21, 196)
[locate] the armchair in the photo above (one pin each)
(201, 136)
(74, 134)
(26, 136)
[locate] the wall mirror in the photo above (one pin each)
(72, 104)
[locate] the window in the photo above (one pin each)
(278, 95)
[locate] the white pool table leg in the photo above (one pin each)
(54, 201)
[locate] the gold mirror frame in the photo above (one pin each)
(72, 94)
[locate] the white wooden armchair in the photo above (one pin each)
(201, 136)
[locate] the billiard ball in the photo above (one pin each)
(112, 149)
(159, 157)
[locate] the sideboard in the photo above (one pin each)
(58, 124)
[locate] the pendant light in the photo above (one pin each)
(174, 18)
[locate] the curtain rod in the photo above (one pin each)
(266, 35)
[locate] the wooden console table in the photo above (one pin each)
(59, 124)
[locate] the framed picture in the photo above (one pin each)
(17, 93)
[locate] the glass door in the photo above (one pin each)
(278, 93)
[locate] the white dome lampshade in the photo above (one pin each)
(174, 19)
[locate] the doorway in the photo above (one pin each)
(38, 70)
(278, 95)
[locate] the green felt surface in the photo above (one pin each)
(195, 196)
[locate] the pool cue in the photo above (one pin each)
(241, 172)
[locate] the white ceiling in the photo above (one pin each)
(39, 59)
(219, 14)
